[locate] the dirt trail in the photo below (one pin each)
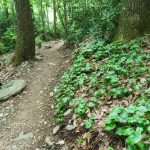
(29, 118)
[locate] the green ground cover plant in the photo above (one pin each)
(132, 123)
(109, 72)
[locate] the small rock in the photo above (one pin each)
(24, 64)
(70, 127)
(51, 64)
(49, 141)
(28, 70)
(45, 122)
(1, 115)
(38, 57)
(38, 69)
(67, 112)
(41, 92)
(56, 129)
(61, 142)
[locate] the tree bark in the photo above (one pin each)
(134, 19)
(65, 18)
(60, 15)
(55, 19)
(13, 15)
(25, 46)
(6, 15)
(47, 17)
(43, 21)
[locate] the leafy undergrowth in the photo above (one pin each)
(104, 76)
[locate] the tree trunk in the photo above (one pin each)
(55, 19)
(65, 18)
(47, 18)
(25, 46)
(60, 15)
(6, 15)
(13, 16)
(134, 19)
(43, 21)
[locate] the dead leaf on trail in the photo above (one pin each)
(52, 94)
(125, 103)
(83, 95)
(143, 80)
(89, 113)
(52, 106)
(87, 136)
(67, 61)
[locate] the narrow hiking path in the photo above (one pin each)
(30, 114)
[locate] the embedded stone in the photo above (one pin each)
(12, 88)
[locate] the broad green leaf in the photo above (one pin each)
(135, 137)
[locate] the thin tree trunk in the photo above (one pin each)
(25, 47)
(65, 18)
(134, 19)
(43, 21)
(6, 16)
(60, 15)
(13, 15)
(47, 16)
(55, 19)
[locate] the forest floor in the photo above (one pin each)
(26, 120)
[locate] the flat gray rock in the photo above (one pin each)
(70, 127)
(23, 137)
(49, 141)
(11, 88)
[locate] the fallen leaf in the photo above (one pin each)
(52, 94)
(87, 136)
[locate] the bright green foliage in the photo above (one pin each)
(38, 41)
(9, 38)
(7, 26)
(88, 123)
(41, 10)
(96, 19)
(103, 71)
(132, 123)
